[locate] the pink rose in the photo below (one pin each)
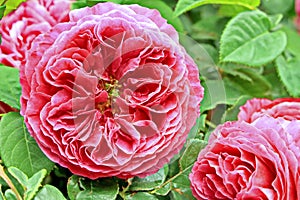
(260, 160)
(286, 108)
(111, 93)
(21, 26)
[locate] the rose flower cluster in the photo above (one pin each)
(256, 157)
(109, 91)
(106, 90)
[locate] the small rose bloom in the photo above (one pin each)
(286, 108)
(111, 92)
(21, 26)
(260, 160)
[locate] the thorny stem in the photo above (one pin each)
(9, 183)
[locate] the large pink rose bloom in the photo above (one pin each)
(260, 160)
(21, 26)
(112, 92)
(285, 108)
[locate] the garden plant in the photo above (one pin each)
(149, 99)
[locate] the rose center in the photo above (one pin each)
(107, 90)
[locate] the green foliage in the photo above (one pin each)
(190, 154)
(30, 185)
(206, 29)
(150, 182)
(84, 189)
(10, 195)
(256, 84)
(10, 88)
(293, 41)
(242, 49)
(215, 94)
(11, 5)
(289, 73)
(186, 5)
(18, 148)
(231, 10)
(277, 6)
(2, 10)
(49, 192)
(141, 195)
(247, 40)
(181, 186)
(232, 112)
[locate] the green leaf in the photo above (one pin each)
(232, 112)
(231, 10)
(19, 175)
(18, 148)
(247, 40)
(190, 154)
(150, 182)
(49, 192)
(257, 86)
(30, 185)
(186, 5)
(78, 4)
(2, 197)
(73, 187)
(237, 82)
(11, 5)
(164, 190)
(278, 89)
(85, 189)
(181, 186)
(275, 20)
(214, 94)
(2, 10)
(200, 125)
(206, 29)
(10, 88)
(277, 6)
(10, 195)
(141, 195)
(289, 73)
(239, 70)
(293, 41)
(34, 183)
